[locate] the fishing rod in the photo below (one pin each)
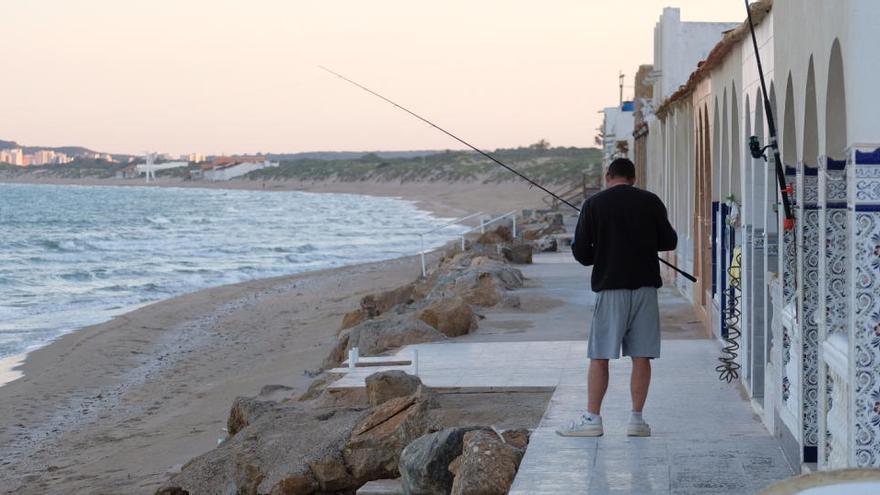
(485, 154)
(755, 145)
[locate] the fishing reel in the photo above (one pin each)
(755, 148)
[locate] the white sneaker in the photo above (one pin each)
(584, 426)
(638, 428)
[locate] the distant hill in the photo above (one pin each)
(546, 165)
(347, 155)
(72, 151)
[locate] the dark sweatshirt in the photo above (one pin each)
(619, 232)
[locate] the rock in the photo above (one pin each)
(518, 253)
(499, 235)
(331, 473)
(171, 490)
(353, 318)
(482, 283)
(244, 411)
(374, 337)
(258, 459)
(373, 450)
(386, 385)
(453, 317)
(518, 438)
(487, 465)
(376, 304)
(547, 245)
(424, 463)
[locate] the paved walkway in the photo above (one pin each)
(706, 438)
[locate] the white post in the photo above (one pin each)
(351, 361)
(482, 225)
(514, 226)
(415, 362)
(462, 242)
(422, 255)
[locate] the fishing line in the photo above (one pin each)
(483, 153)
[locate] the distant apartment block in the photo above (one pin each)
(12, 156)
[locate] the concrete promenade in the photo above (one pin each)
(705, 436)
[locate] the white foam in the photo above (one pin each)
(8, 368)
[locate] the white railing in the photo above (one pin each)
(485, 223)
(423, 234)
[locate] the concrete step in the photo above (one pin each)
(382, 487)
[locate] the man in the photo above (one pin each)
(619, 232)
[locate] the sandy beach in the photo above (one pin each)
(115, 407)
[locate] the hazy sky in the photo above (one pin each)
(216, 76)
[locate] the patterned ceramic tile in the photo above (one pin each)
(865, 300)
(808, 297)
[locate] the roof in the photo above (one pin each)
(759, 10)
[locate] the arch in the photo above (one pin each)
(725, 165)
(715, 150)
(810, 153)
(736, 144)
(835, 106)
(789, 131)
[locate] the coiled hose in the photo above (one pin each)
(728, 370)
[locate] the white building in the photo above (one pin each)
(231, 170)
(617, 132)
(810, 297)
(13, 156)
(142, 168)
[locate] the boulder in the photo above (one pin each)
(482, 283)
(487, 465)
(453, 317)
(499, 235)
(374, 305)
(518, 253)
(518, 438)
(258, 458)
(374, 447)
(374, 337)
(353, 318)
(171, 490)
(424, 463)
(547, 245)
(386, 385)
(244, 411)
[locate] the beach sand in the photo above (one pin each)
(115, 407)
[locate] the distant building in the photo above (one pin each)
(141, 169)
(644, 91)
(14, 156)
(225, 168)
(194, 157)
(617, 128)
(129, 172)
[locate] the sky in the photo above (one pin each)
(223, 76)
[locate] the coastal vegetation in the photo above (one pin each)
(544, 164)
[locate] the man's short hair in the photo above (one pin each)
(622, 167)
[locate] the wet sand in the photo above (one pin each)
(115, 407)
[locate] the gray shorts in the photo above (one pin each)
(630, 318)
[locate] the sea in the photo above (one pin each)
(72, 256)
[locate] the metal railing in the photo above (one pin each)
(484, 224)
(454, 222)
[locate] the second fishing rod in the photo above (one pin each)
(487, 155)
